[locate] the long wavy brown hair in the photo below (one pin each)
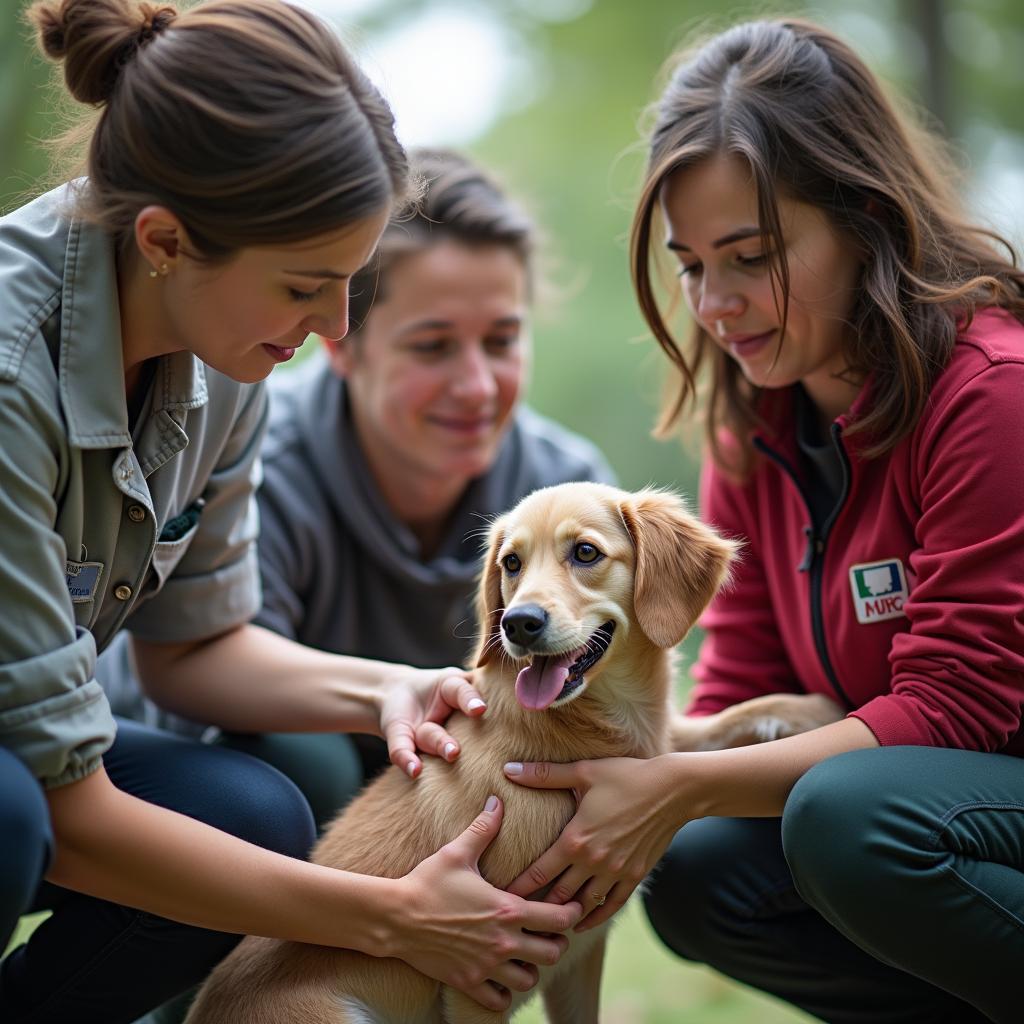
(812, 122)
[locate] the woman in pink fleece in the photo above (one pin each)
(863, 349)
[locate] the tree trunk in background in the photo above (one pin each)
(926, 17)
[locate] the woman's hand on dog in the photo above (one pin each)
(603, 854)
(415, 704)
(454, 926)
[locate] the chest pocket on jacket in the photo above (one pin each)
(168, 553)
(178, 533)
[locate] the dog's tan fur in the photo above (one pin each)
(659, 570)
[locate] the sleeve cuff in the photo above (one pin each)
(60, 737)
(191, 608)
(892, 726)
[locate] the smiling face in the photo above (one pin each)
(712, 225)
(566, 565)
(244, 316)
(435, 372)
(590, 585)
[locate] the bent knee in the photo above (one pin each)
(703, 890)
(257, 803)
(834, 826)
(25, 826)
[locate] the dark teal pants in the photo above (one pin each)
(891, 891)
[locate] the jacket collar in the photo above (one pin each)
(91, 364)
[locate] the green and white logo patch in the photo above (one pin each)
(879, 590)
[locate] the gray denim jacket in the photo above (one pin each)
(102, 528)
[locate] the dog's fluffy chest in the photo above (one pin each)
(432, 810)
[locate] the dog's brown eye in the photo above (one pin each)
(586, 553)
(512, 564)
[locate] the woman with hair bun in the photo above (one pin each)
(240, 172)
(862, 343)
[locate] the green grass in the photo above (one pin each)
(26, 926)
(644, 984)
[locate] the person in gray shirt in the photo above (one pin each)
(390, 451)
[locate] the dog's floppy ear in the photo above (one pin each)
(680, 564)
(488, 598)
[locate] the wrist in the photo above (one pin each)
(690, 797)
(361, 685)
(377, 932)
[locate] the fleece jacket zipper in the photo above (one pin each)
(813, 561)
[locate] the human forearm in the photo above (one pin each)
(606, 853)
(755, 781)
(252, 680)
(116, 847)
(442, 918)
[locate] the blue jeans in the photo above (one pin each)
(891, 891)
(26, 842)
(94, 962)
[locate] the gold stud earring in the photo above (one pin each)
(162, 271)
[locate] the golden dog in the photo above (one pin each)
(585, 591)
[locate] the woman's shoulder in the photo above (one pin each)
(993, 340)
(993, 335)
(33, 247)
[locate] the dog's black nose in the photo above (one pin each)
(524, 625)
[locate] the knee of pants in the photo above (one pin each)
(696, 897)
(254, 801)
(325, 766)
(834, 830)
(28, 839)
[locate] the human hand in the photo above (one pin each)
(415, 703)
(456, 927)
(603, 854)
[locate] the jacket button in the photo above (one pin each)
(136, 513)
(122, 592)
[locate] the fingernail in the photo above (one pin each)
(513, 768)
(475, 703)
(492, 804)
(410, 769)
(449, 749)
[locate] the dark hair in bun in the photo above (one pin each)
(95, 39)
(246, 118)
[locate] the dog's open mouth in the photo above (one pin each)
(550, 678)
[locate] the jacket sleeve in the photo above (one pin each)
(958, 672)
(287, 554)
(53, 714)
(742, 654)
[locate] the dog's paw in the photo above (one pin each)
(758, 720)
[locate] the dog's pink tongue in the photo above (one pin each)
(539, 684)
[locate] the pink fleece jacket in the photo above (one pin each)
(909, 610)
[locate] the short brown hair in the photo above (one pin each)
(810, 120)
(459, 203)
(246, 118)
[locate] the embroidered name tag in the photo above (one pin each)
(879, 590)
(83, 579)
